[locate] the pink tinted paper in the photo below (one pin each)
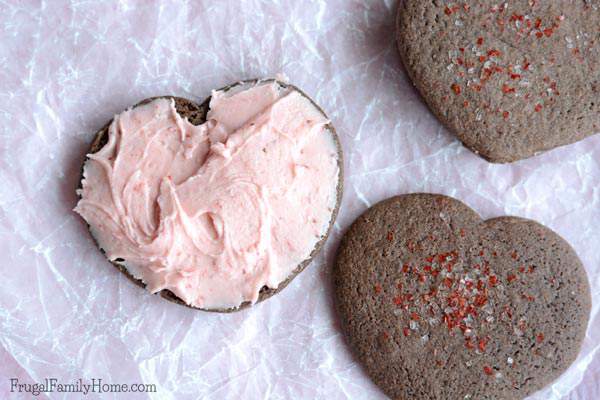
(68, 67)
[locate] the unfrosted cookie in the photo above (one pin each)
(437, 303)
(509, 79)
(214, 214)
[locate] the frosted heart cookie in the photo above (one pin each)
(217, 205)
(509, 79)
(437, 303)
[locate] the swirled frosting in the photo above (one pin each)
(217, 211)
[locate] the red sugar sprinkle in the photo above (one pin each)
(480, 300)
(548, 32)
(482, 343)
(528, 297)
(507, 89)
(488, 370)
(377, 289)
(406, 331)
(471, 310)
(455, 88)
(538, 107)
(494, 53)
(505, 114)
(448, 11)
(414, 316)
(390, 236)
(493, 280)
(479, 41)
(511, 277)
(398, 300)
(540, 337)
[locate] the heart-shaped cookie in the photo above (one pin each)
(437, 303)
(509, 79)
(216, 205)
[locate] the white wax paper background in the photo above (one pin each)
(67, 67)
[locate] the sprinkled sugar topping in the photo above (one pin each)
(479, 65)
(447, 291)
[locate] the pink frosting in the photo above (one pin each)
(217, 211)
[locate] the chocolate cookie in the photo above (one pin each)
(196, 114)
(437, 303)
(509, 79)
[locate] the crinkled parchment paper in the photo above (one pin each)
(67, 67)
